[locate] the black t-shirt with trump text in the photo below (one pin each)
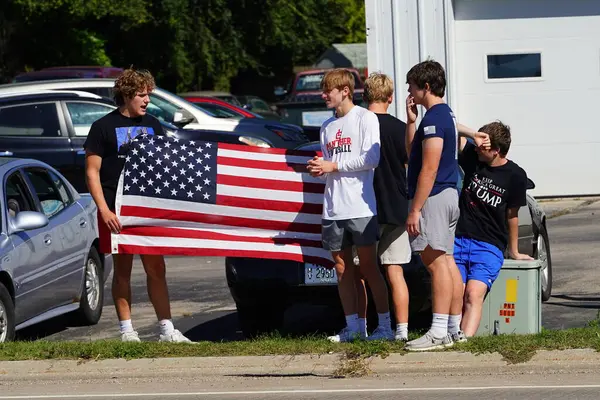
(109, 138)
(488, 192)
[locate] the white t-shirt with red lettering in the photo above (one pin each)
(353, 142)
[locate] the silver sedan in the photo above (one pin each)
(49, 262)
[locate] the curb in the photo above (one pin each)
(330, 365)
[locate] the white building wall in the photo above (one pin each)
(402, 33)
(552, 118)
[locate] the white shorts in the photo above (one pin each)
(394, 246)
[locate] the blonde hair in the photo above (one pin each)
(378, 88)
(131, 81)
(338, 78)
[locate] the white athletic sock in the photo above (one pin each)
(125, 326)
(352, 322)
(439, 325)
(454, 323)
(362, 325)
(166, 326)
(402, 330)
(384, 320)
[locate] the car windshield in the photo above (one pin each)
(310, 82)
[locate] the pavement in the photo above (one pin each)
(573, 228)
(203, 309)
(552, 374)
(555, 207)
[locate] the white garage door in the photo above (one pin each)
(535, 65)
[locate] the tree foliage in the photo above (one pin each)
(187, 44)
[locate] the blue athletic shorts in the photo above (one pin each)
(477, 260)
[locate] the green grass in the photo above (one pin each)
(514, 348)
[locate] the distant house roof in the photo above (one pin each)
(344, 55)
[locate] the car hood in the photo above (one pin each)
(268, 124)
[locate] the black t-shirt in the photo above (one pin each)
(487, 194)
(390, 176)
(109, 138)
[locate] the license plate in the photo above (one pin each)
(318, 275)
(315, 118)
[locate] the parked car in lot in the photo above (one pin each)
(171, 108)
(69, 72)
(225, 96)
(219, 108)
(300, 103)
(52, 126)
(259, 106)
(264, 289)
(50, 263)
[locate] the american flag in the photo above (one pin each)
(180, 197)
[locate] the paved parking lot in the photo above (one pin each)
(203, 308)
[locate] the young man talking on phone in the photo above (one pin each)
(433, 197)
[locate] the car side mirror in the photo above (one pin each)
(182, 117)
(28, 220)
(530, 184)
(248, 106)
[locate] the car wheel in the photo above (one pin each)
(7, 316)
(92, 295)
(258, 319)
(542, 253)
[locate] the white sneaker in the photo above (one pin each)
(175, 337)
(381, 333)
(131, 336)
(345, 335)
(428, 342)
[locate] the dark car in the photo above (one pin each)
(171, 108)
(52, 126)
(301, 102)
(71, 72)
(220, 108)
(264, 289)
(259, 106)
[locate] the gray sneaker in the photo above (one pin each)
(458, 337)
(427, 342)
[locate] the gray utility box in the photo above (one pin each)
(514, 305)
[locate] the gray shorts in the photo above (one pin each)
(343, 233)
(394, 247)
(439, 217)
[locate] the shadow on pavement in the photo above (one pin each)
(47, 328)
(299, 321)
(576, 298)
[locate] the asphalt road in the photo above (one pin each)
(203, 308)
(565, 385)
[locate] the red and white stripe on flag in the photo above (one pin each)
(215, 199)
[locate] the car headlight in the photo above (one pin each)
(251, 141)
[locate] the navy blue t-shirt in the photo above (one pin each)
(438, 121)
